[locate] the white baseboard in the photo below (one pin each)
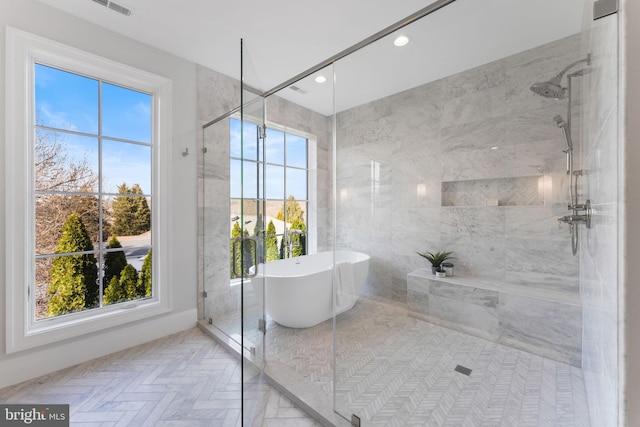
(29, 364)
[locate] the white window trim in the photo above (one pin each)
(23, 50)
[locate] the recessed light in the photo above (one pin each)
(321, 79)
(401, 41)
(494, 148)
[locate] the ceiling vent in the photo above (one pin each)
(297, 89)
(119, 8)
(123, 10)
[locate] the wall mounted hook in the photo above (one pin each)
(185, 152)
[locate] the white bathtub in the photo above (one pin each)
(299, 292)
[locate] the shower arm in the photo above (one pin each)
(573, 64)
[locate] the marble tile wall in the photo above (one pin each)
(217, 95)
(599, 253)
(414, 170)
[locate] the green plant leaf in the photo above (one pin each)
(437, 258)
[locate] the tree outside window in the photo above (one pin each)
(93, 230)
(281, 161)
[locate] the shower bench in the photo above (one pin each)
(540, 321)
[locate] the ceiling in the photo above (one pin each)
(286, 37)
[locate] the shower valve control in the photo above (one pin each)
(572, 219)
(581, 214)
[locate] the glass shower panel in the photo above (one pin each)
(386, 151)
(441, 146)
(599, 246)
(250, 244)
(299, 249)
(221, 286)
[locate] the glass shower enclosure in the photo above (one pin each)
(449, 154)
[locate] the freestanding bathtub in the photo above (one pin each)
(299, 291)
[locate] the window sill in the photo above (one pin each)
(58, 329)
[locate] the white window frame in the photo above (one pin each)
(23, 51)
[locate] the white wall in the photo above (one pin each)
(34, 17)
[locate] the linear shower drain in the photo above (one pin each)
(462, 370)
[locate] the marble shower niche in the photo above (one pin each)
(511, 191)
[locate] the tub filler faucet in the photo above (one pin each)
(290, 243)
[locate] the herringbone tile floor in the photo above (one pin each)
(394, 370)
(391, 370)
(184, 379)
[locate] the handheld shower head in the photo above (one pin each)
(560, 121)
(562, 124)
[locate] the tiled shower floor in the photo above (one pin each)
(394, 370)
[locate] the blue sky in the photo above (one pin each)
(70, 102)
(296, 155)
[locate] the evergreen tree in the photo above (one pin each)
(122, 212)
(74, 278)
(88, 210)
(57, 173)
(272, 253)
(282, 252)
(299, 239)
(144, 279)
(124, 288)
(131, 214)
(294, 211)
(114, 262)
(129, 282)
(114, 292)
(142, 218)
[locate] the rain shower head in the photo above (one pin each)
(553, 87)
(549, 89)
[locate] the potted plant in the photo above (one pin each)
(436, 259)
